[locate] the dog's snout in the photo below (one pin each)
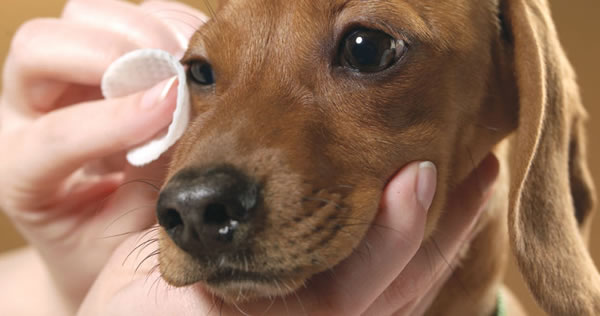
(208, 211)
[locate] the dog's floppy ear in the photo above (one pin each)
(551, 195)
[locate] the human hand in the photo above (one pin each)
(398, 274)
(62, 164)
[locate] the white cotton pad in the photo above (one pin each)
(141, 70)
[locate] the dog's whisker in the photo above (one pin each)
(148, 275)
(240, 309)
(119, 235)
(175, 20)
(449, 264)
(212, 306)
(298, 299)
(152, 254)
(142, 181)
(272, 299)
(190, 15)
(341, 285)
(284, 300)
(125, 214)
(210, 9)
(367, 245)
(151, 229)
(151, 272)
(123, 185)
(157, 282)
(154, 286)
(221, 307)
(239, 294)
(361, 254)
(141, 247)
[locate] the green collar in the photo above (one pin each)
(500, 305)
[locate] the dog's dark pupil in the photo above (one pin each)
(202, 73)
(369, 51)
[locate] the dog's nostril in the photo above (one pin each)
(216, 213)
(207, 212)
(171, 219)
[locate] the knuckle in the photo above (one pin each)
(26, 36)
(116, 47)
(44, 131)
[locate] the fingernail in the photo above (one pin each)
(159, 94)
(426, 183)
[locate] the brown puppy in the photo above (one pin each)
(304, 109)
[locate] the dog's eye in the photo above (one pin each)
(202, 73)
(367, 50)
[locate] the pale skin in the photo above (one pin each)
(66, 186)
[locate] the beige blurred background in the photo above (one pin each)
(578, 26)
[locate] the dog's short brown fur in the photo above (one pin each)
(478, 76)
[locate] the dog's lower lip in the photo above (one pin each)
(233, 275)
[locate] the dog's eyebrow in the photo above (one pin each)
(400, 17)
(195, 51)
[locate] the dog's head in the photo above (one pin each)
(303, 110)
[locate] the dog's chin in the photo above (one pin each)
(238, 290)
(236, 286)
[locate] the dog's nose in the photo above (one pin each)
(208, 211)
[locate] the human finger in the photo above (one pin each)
(432, 260)
(38, 69)
(125, 19)
(181, 18)
(89, 131)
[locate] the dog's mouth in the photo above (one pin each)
(240, 286)
(225, 277)
(234, 276)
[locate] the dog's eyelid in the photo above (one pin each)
(189, 60)
(398, 34)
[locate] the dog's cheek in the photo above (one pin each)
(363, 207)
